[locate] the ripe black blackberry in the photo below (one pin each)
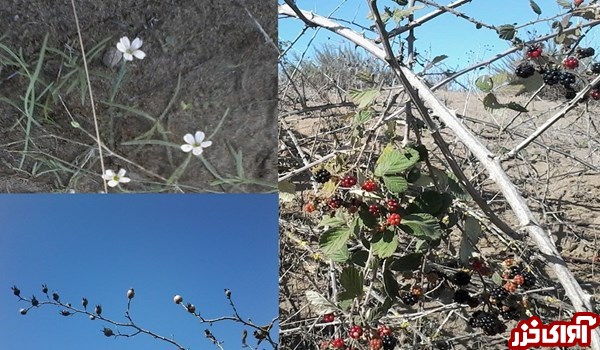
(322, 176)
(461, 278)
(498, 294)
(462, 296)
(514, 270)
(566, 78)
(585, 52)
(410, 299)
(570, 94)
(595, 68)
(524, 70)
(388, 341)
(487, 321)
(552, 76)
(442, 345)
(529, 279)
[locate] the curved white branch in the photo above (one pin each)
(580, 300)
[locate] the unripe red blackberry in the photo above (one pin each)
(534, 52)
(394, 219)
(355, 332)
(348, 181)
(595, 94)
(571, 63)
(374, 209)
(369, 185)
(392, 205)
(337, 343)
(335, 202)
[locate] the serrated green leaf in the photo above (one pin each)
(363, 98)
(319, 303)
(366, 219)
(491, 102)
(515, 107)
(333, 243)
(422, 226)
(360, 258)
(393, 161)
(395, 184)
(507, 31)
(456, 188)
(431, 202)
(352, 280)
(332, 221)
(469, 240)
(400, 14)
(384, 244)
(484, 83)
(366, 76)
(408, 262)
(390, 285)
(535, 7)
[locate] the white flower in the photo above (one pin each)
(130, 49)
(114, 179)
(195, 143)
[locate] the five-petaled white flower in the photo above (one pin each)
(114, 179)
(130, 49)
(195, 143)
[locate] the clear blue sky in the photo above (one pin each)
(446, 34)
(100, 245)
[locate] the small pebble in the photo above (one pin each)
(112, 57)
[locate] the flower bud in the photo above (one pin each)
(23, 311)
(178, 299)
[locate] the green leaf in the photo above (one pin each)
(456, 188)
(384, 244)
(360, 258)
(366, 219)
(470, 239)
(434, 61)
(422, 226)
(393, 161)
(484, 83)
(491, 102)
(362, 117)
(395, 184)
(500, 78)
(319, 303)
(333, 243)
(564, 4)
(431, 202)
(535, 7)
(352, 280)
(363, 98)
(366, 76)
(515, 107)
(399, 14)
(497, 279)
(332, 221)
(390, 284)
(409, 262)
(507, 31)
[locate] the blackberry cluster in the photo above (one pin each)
(566, 78)
(498, 294)
(585, 52)
(528, 277)
(524, 70)
(410, 299)
(487, 321)
(461, 278)
(595, 68)
(552, 76)
(388, 341)
(570, 94)
(322, 176)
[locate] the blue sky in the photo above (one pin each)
(445, 34)
(99, 246)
